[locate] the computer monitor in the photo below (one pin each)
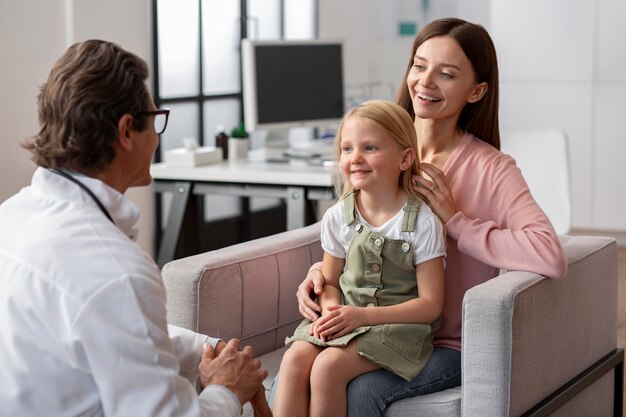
(292, 84)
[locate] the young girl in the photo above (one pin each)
(381, 244)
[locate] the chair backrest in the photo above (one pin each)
(542, 156)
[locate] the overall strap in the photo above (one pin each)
(411, 208)
(349, 207)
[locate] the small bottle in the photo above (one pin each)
(221, 140)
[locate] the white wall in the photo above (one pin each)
(33, 34)
(558, 69)
(373, 52)
(27, 51)
(561, 65)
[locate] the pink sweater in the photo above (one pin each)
(498, 225)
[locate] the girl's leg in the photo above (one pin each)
(292, 392)
(332, 370)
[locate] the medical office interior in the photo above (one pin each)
(562, 66)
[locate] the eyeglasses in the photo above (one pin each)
(160, 119)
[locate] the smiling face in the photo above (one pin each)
(442, 80)
(370, 159)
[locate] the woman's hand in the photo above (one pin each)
(312, 284)
(338, 321)
(435, 191)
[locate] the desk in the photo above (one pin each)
(296, 182)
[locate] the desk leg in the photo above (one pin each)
(296, 208)
(244, 219)
(174, 224)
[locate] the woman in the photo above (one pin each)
(491, 219)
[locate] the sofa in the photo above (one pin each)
(531, 345)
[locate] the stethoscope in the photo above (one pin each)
(86, 189)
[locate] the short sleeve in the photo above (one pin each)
(331, 231)
(430, 238)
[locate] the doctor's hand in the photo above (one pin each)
(220, 345)
(237, 370)
(310, 288)
(259, 404)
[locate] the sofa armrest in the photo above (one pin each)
(524, 336)
(245, 291)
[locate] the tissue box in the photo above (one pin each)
(186, 158)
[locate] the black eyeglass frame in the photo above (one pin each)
(157, 112)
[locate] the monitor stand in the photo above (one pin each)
(296, 143)
(284, 138)
(277, 138)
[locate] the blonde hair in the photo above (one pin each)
(397, 123)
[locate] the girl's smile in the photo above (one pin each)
(370, 158)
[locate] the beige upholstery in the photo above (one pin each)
(524, 336)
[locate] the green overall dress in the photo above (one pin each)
(380, 272)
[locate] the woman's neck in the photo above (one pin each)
(436, 140)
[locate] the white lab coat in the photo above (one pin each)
(83, 327)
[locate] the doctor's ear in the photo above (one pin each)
(125, 131)
(478, 93)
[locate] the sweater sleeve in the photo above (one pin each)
(515, 234)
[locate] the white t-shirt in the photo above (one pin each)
(428, 239)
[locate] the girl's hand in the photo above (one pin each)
(338, 321)
(314, 329)
(435, 191)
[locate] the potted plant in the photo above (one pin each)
(238, 143)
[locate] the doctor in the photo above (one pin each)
(83, 327)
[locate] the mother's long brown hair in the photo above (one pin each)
(479, 118)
